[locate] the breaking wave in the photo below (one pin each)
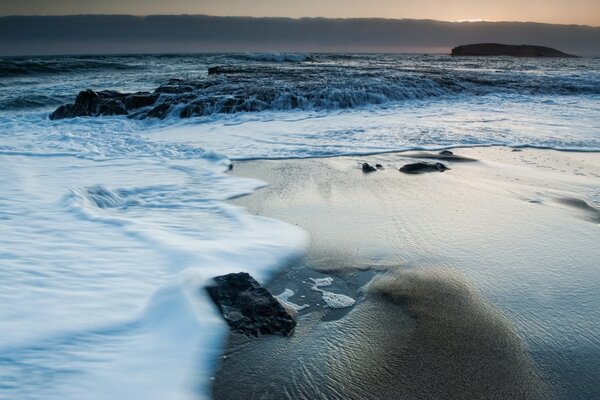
(232, 89)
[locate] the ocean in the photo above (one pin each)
(111, 225)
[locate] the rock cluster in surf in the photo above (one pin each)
(248, 308)
(308, 85)
(107, 102)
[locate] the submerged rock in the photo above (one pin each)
(248, 308)
(419, 167)
(496, 49)
(366, 167)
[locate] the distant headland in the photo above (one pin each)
(496, 49)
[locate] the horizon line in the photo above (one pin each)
(465, 21)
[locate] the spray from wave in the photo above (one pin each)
(232, 89)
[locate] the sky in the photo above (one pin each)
(584, 12)
(118, 34)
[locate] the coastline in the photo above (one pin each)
(440, 318)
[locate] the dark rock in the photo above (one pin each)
(515, 150)
(419, 167)
(378, 166)
(366, 167)
(160, 111)
(446, 153)
(89, 103)
(193, 109)
(139, 100)
(496, 49)
(249, 308)
(61, 112)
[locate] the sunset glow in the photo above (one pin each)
(585, 12)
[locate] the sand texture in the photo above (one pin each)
(479, 282)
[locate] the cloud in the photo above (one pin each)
(90, 34)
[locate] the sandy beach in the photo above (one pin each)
(478, 282)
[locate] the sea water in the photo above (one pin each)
(110, 226)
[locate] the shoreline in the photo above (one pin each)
(398, 286)
(420, 149)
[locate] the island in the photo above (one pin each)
(496, 49)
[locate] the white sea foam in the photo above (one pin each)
(332, 300)
(284, 298)
(336, 300)
(104, 259)
(322, 282)
(430, 124)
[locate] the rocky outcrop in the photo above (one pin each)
(496, 49)
(417, 168)
(107, 102)
(248, 308)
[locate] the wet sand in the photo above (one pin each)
(454, 276)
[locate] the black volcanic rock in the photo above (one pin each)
(366, 167)
(417, 168)
(496, 49)
(89, 103)
(249, 308)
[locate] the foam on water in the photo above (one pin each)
(106, 246)
(336, 300)
(322, 282)
(516, 121)
(285, 299)
(331, 299)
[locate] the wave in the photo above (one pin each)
(16, 67)
(279, 57)
(232, 89)
(32, 101)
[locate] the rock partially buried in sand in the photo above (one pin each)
(446, 153)
(366, 167)
(417, 168)
(249, 308)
